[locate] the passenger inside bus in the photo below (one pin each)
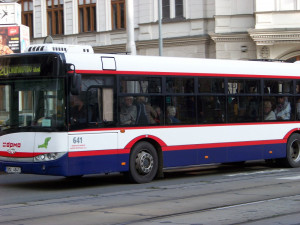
(298, 109)
(268, 112)
(158, 119)
(171, 115)
(128, 111)
(283, 109)
(145, 113)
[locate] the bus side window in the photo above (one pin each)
(93, 105)
(100, 105)
(180, 109)
(108, 104)
(278, 87)
(297, 87)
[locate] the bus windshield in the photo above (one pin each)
(30, 103)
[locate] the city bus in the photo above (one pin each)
(67, 111)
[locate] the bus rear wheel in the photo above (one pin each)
(143, 164)
(293, 151)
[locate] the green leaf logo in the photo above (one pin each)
(45, 145)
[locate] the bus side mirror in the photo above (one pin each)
(75, 84)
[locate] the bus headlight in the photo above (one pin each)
(47, 157)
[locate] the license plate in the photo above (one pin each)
(11, 169)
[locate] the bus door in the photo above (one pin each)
(93, 144)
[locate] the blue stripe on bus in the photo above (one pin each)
(224, 154)
(72, 166)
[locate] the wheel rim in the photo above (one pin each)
(144, 162)
(295, 151)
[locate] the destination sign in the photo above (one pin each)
(20, 70)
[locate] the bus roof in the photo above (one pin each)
(155, 65)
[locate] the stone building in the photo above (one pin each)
(223, 29)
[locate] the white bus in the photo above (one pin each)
(95, 113)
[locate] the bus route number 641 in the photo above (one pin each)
(77, 140)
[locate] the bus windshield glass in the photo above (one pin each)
(32, 103)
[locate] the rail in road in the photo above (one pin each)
(242, 197)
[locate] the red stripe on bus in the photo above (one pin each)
(290, 132)
(19, 154)
(98, 152)
(132, 142)
(114, 72)
(222, 145)
(177, 147)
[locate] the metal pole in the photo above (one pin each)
(130, 47)
(160, 40)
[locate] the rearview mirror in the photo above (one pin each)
(75, 86)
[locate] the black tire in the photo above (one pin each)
(293, 151)
(143, 164)
(241, 163)
(74, 177)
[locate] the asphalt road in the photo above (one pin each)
(253, 194)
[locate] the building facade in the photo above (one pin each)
(223, 29)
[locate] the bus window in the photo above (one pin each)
(298, 109)
(180, 85)
(128, 111)
(284, 108)
(107, 104)
(211, 109)
(235, 86)
(278, 87)
(180, 110)
(206, 85)
(99, 105)
(78, 110)
(269, 105)
(252, 86)
(149, 110)
(241, 86)
(89, 80)
(137, 85)
(141, 110)
(297, 87)
(244, 109)
(33, 103)
(94, 102)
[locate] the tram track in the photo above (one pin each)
(215, 209)
(151, 193)
(171, 187)
(266, 218)
(166, 216)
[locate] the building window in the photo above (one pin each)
(287, 5)
(27, 14)
(118, 12)
(178, 8)
(172, 9)
(87, 15)
(55, 16)
(166, 9)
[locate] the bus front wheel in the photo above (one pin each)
(293, 151)
(143, 164)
